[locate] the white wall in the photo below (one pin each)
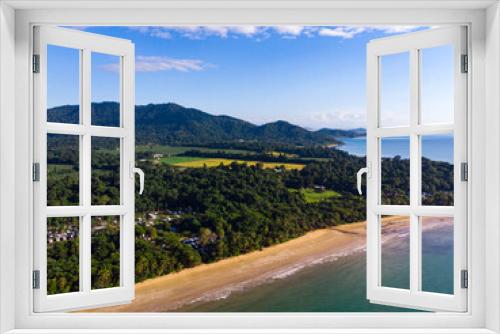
(8, 113)
(7, 185)
(492, 91)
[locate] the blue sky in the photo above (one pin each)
(310, 76)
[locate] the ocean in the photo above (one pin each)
(340, 285)
(436, 147)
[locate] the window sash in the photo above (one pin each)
(414, 297)
(86, 297)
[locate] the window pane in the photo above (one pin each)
(437, 254)
(63, 85)
(105, 248)
(105, 90)
(395, 254)
(437, 170)
(395, 90)
(436, 84)
(63, 155)
(395, 171)
(63, 253)
(105, 171)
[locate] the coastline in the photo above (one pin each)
(218, 280)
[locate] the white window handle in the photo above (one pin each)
(359, 176)
(134, 170)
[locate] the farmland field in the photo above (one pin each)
(278, 154)
(176, 150)
(200, 162)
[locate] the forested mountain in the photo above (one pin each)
(172, 124)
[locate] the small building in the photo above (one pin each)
(157, 156)
(193, 242)
(319, 189)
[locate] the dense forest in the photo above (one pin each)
(189, 216)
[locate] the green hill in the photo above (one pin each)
(173, 124)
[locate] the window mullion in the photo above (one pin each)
(85, 184)
(414, 173)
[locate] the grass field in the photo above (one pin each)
(179, 159)
(200, 162)
(313, 196)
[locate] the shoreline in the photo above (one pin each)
(208, 282)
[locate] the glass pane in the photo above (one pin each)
(436, 84)
(395, 171)
(63, 156)
(105, 248)
(437, 170)
(437, 254)
(395, 90)
(105, 171)
(63, 253)
(63, 85)
(395, 254)
(106, 88)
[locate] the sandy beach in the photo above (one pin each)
(217, 280)
(210, 281)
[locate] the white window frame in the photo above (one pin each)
(483, 17)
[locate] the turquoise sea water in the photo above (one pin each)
(340, 285)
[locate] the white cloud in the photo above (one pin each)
(395, 29)
(160, 32)
(246, 30)
(262, 32)
(348, 32)
(82, 28)
(201, 32)
(140, 29)
(341, 118)
(157, 63)
(289, 30)
(342, 32)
